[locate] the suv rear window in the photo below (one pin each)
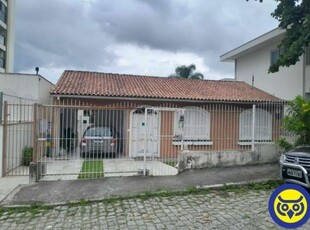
(98, 132)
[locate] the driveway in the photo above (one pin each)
(131, 167)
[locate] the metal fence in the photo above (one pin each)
(16, 118)
(88, 139)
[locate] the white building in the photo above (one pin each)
(29, 87)
(253, 59)
(21, 91)
(7, 35)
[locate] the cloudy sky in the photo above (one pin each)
(144, 37)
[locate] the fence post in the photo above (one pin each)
(34, 137)
(5, 134)
(253, 128)
(145, 142)
(1, 106)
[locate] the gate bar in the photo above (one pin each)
(5, 127)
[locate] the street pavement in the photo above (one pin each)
(212, 210)
(215, 209)
(62, 192)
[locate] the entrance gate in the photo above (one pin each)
(118, 140)
(115, 141)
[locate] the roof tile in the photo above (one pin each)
(85, 83)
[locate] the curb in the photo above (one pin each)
(91, 200)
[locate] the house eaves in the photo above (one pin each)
(271, 37)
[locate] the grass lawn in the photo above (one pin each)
(92, 169)
(171, 163)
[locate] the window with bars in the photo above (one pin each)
(196, 125)
(263, 126)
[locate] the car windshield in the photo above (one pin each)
(99, 132)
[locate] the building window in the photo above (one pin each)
(3, 12)
(2, 39)
(2, 59)
(263, 126)
(307, 53)
(196, 125)
(274, 56)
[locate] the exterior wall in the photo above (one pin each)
(44, 87)
(28, 86)
(307, 79)
(285, 84)
(22, 89)
(264, 153)
(224, 130)
(1, 150)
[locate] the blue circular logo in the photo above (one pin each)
(289, 206)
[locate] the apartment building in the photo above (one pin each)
(7, 35)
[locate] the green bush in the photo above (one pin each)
(27, 155)
(284, 144)
(297, 122)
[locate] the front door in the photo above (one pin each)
(137, 136)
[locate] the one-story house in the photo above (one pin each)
(199, 115)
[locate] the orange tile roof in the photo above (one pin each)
(83, 83)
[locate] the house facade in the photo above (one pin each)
(166, 114)
(253, 59)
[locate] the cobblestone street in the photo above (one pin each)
(212, 210)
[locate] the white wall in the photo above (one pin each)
(28, 86)
(1, 148)
(307, 79)
(44, 87)
(285, 84)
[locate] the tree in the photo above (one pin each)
(294, 17)
(187, 72)
(297, 122)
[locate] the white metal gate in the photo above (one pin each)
(117, 141)
(144, 133)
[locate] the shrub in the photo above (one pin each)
(27, 155)
(297, 122)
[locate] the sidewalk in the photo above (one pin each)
(58, 192)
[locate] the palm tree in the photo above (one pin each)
(187, 72)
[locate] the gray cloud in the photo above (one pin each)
(58, 33)
(76, 34)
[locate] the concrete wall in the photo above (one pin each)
(285, 84)
(264, 153)
(307, 79)
(1, 148)
(28, 89)
(28, 86)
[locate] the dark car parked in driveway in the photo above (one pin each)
(295, 166)
(99, 141)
